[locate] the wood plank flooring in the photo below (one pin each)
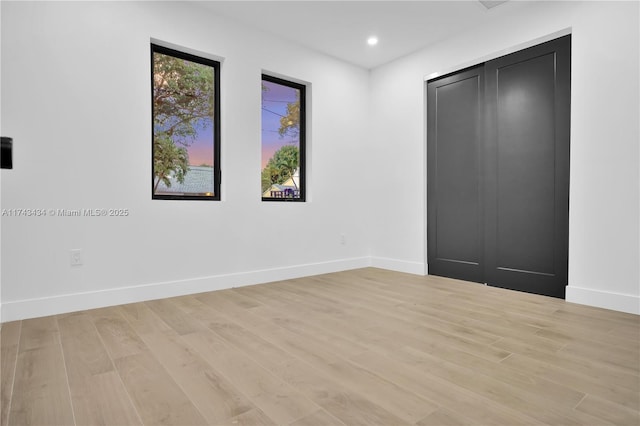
(362, 347)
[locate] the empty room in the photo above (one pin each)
(320, 213)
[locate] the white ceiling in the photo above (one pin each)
(341, 28)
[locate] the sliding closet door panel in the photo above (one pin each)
(454, 193)
(527, 185)
(526, 154)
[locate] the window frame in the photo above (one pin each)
(302, 88)
(217, 173)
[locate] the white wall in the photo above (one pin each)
(604, 254)
(76, 99)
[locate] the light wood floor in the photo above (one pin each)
(361, 347)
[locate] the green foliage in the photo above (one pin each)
(183, 97)
(168, 159)
(268, 177)
(281, 166)
(290, 123)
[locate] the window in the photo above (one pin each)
(283, 140)
(185, 125)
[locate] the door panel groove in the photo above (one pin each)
(522, 271)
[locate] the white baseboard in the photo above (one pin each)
(33, 308)
(45, 306)
(602, 299)
(416, 268)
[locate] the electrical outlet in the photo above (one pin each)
(76, 257)
(343, 239)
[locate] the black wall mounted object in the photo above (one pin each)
(6, 153)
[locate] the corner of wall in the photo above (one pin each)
(416, 268)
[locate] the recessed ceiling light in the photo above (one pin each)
(372, 41)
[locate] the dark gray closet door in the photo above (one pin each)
(498, 171)
(527, 169)
(454, 152)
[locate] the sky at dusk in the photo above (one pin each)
(274, 106)
(201, 149)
